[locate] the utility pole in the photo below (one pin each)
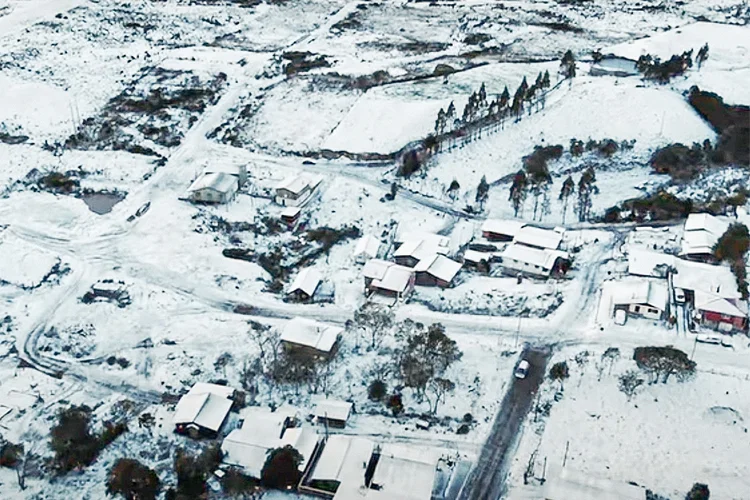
(695, 344)
(518, 332)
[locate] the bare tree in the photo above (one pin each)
(439, 387)
(377, 321)
(630, 382)
(663, 362)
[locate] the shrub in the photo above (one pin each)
(395, 404)
(664, 362)
(658, 206)
(132, 480)
(10, 454)
(281, 469)
(699, 491)
(679, 161)
(235, 482)
(463, 429)
(377, 390)
(468, 418)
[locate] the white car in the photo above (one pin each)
(522, 369)
(620, 317)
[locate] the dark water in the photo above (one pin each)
(101, 203)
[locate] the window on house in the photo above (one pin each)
(637, 309)
(653, 311)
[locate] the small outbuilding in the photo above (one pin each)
(290, 215)
(202, 411)
(611, 65)
(333, 413)
(367, 248)
(701, 232)
(318, 339)
(719, 313)
(305, 285)
(391, 280)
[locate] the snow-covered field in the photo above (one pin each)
(204, 85)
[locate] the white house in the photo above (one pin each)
(520, 259)
(305, 284)
(644, 298)
(215, 187)
(538, 238)
(247, 447)
(367, 248)
(202, 411)
(361, 469)
(297, 190)
(700, 234)
(644, 262)
(307, 334)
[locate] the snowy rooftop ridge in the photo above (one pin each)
(332, 409)
(543, 258)
(217, 181)
(310, 333)
(439, 266)
(205, 405)
(538, 237)
(367, 246)
(646, 292)
(506, 227)
(307, 281)
(298, 183)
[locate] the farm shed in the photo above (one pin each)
(202, 411)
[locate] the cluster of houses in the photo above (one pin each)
(529, 251)
(417, 259)
(334, 465)
(664, 286)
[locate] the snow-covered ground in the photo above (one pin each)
(65, 62)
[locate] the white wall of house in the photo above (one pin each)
(525, 267)
(212, 196)
(645, 310)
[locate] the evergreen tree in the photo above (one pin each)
(281, 470)
(545, 80)
(568, 65)
(483, 190)
(504, 97)
(518, 192)
(567, 189)
(586, 189)
(702, 56)
(482, 96)
(425, 356)
(440, 123)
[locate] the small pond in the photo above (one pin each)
(102, 203)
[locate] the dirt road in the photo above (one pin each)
(487, 479)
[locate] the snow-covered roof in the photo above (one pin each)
(395, 279)
(405, 472)
(714, 303)
(644, 262)
(226, 168)
(344, 459)
(205, 405)
(439, 266)
(291, 212)
(534, 256)
(332, 409)
(298, 183)
(310, 333)
(706, 222)
(717, 280)
(538, 237)
(440, 243)
(652, 293)
(368, 246)
(307, 281)
(506, 227)
(247, 447)
(476, 257)
(376, 268)
(217, 181)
